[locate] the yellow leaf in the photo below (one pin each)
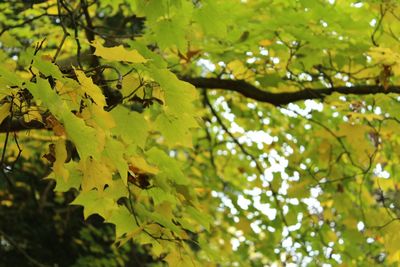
(4, 111)
(32, 115)
(244, 225)
(53, 10)
(53, 123)
(118, 53)
(356, 136)
(392, 241)
(299, 189)
(141, 164)
(130, 83)
(238, 69)
(265, 42)
(368, 117)
(331, 236)
(61, 155)
(96, 116)
(90, 88)
(95, 175)
(384, 55)
(176, 259)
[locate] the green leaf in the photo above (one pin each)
(94, 203)
(4, 111)
(132, 127)
(179, 95)
(114, 152)
(202, 218)
(169, 167)
(124, 221)
(44, 65)
(212, 19)
(159, 196)
(42, 91)
(176, 130)
(86, 139)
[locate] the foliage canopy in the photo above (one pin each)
(204, 133)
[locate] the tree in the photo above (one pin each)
(204, 133)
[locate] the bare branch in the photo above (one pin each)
(278, 99)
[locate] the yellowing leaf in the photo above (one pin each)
(118, 53)
(265, 42)
(392, 241)
(177, 259)
(123, 220)
(384, 55)
(299, 189)
(238, 69)
(176, 130)
(141, 164)
(4, 111)
(96, 174)
(244, 225)
(130, 83)
(85, 138)
(90, 88)
(114, 151)
(32, 114)
(96, 116)
(94, 202)
(74, 178)
(61, 155)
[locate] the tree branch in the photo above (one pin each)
(250, 91)
(17, 126)
(277, 99)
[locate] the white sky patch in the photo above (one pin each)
(206, 65)
(360, 226)
(263, 51)
(357, 5)
(255, 226)
(313, 205)
(305, 77)
(235, 243)
(276, 60)
(258, 137)
(349, 84)
(324, 23)
(293, 110)
(264, 208)
(380, 172)
(253, 192)
(243, 202)
(251, 60)
(378, 111)
(235, 128)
